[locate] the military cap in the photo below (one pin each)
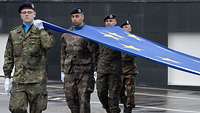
(77, 10)
(111, 16)
(125, 23)
(26, 5)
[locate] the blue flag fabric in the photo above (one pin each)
(120, 40)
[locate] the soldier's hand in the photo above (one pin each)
(7, 85)
(62, 76)
(38, 23)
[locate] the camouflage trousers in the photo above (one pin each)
(32, 94)
(78, 91)
(108, 90)
(128, 92)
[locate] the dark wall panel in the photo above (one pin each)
(183, 17)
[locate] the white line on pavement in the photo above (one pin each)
(155, 95)
(145, 94)
(140, 106)
(167, 96)
(158, 108)
(2, 93)
(58, 87)
(161, 89)
(168, 109)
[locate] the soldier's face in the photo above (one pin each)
(27, 15)
(77, 19)
(127, 28)
(110, 22)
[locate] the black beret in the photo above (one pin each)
(26, 5)
(77, 10)
(111, 16)
(125, 23)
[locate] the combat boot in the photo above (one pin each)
(127, 109)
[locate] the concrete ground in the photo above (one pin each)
(148, 100)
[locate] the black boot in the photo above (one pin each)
(108, 110)
(127, 109)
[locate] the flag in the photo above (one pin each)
(120, 40)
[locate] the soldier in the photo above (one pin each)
(26, 49)
(77, 64)
(129, 72)
(109, 74)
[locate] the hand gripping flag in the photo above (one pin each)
(120, 40)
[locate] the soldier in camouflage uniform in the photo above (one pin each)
(109, 74)
(26, 49)
(129, 72)
(77, 64)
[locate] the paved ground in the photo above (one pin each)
(148, 100)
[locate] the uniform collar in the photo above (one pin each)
(27, 27)
(78, 27)
(20, 30)
(27, 24)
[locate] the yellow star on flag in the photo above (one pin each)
(131, 47)
(133, 36)
(169, 60)
(110, 36)
(115, 34)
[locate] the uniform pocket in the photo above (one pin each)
(17, 49)
(67, 65)
(35, 47)
(32, 45)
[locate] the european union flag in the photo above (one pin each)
(120, 40)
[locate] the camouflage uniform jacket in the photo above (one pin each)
(109, 61)
(77, 54)
(28, 53)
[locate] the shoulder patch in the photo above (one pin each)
(16, 29)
